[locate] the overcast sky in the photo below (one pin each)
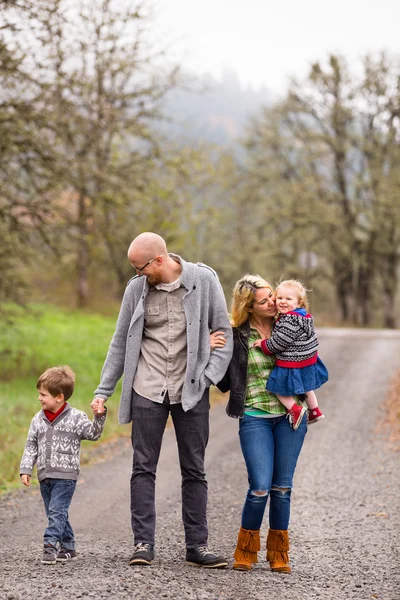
(267, 41)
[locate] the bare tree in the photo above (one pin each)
(105, 87)
(81, 96)
(324, 161)
(27, 161)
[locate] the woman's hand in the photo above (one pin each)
(257, 344)
(217, 339)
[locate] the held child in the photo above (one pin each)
(53, 443)
(298, 369)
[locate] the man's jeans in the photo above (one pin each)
(270, 448)
(191, 430)
(57, 495)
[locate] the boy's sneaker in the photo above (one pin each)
(295, 415)
(203, 557)
(314, 415)
(142, 555)
(63, 554)
(49, 556)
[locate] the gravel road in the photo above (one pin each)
(345, 520)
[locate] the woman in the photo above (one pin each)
(269, 445)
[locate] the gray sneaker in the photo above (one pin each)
(142, 555)
(49, 556)
(203, 557)
(63, 554)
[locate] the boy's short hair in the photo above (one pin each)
(58, 380)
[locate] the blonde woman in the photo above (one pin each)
(269, 445)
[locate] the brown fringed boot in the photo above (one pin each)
(248, 545)
(278, 550)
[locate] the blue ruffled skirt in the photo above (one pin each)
(289, 382)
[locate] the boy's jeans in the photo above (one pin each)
(270, 449)
(57, 495)
(191, 430)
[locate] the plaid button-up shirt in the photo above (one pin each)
(259, 369)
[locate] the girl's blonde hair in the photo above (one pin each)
(243, 297)
(300, 289)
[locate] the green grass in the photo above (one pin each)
(46, 337)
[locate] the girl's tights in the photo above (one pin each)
(288, 401)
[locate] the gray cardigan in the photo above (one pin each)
(205, 310)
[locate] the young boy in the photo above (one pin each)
(53, 443)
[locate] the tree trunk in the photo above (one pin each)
(82, 254)
(389, 283)
(364, 297)
(343, 281)
(344, 300)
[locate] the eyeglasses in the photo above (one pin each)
(141, 269)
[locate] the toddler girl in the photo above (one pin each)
(298, 369)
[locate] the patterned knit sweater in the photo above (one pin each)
(56, 446)
(293, 340)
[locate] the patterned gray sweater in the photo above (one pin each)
(56, 446)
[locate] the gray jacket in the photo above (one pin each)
(55, 446)
(205, 310)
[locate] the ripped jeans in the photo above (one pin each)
(270, 449)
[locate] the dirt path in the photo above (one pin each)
(345, 520)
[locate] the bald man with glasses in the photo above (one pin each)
(162, 347)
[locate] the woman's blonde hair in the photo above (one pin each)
(243, 297)
(300, 289)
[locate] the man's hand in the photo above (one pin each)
(26, 480)
(97, 406)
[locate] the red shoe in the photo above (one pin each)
(295, 415)
(314, 415)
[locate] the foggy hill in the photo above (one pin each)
(216, 111)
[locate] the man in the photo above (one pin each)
(162, 347)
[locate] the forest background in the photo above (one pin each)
(102, 137)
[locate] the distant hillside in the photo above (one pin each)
(216, 111)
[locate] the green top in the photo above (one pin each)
(259, 401)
